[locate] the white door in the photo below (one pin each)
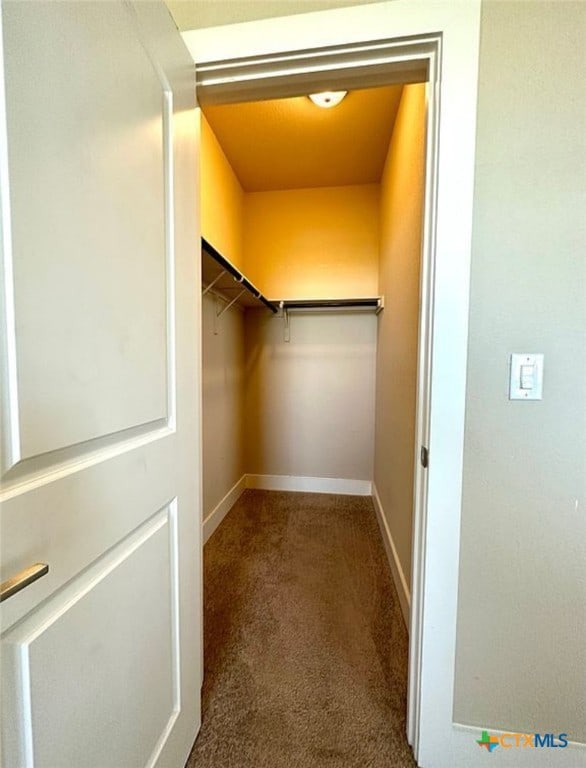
(101, 657)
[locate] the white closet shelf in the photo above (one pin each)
(375, 303)
(220, 276)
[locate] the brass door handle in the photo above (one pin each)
(21, 580)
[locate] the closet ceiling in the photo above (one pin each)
(293, 144)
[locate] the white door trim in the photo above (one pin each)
(447, 34)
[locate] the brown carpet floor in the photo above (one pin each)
(305, 646)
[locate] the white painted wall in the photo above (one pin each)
(521, 655)
(310, 401)
(223, 402)
(209, 13)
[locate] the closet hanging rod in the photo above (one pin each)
(236, 274)
(376, 303)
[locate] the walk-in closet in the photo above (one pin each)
(312, 221)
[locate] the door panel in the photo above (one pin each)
(101, 658)
(68, 668)
(88, 134)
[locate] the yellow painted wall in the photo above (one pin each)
(402, 195)
(222, 199)
(313, 243)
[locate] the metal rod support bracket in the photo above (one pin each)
(214, 281)
(234, 300)
(286, 325)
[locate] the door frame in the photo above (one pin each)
(399, 41)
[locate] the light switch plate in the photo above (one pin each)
(526, 387)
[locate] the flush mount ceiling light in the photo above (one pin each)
(327, 98)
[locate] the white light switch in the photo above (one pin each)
(526, 376)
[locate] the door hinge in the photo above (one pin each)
(424, 457)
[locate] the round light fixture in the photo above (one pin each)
(327, 99)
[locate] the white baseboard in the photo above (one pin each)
(219, 512)
(393, 557)
(310, 484)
